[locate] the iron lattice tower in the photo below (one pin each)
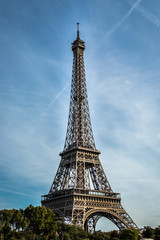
(80, 192)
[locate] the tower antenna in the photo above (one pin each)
(77, 30)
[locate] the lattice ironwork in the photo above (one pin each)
(79, 130)
(81, 192)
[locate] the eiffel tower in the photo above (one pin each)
(81, 192)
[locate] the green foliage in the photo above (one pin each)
(32, 223)
(42, 220)
(5, 219)
(129, 234)
(99, 236)
(39, 223)
(71, 232)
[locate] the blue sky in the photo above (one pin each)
(122, 60)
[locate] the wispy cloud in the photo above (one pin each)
(118, 24)
(17, 192)
(149, 16)
(54, 99)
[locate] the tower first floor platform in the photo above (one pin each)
(85, 207)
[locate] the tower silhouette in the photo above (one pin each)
(81, 192)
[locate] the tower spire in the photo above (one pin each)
(77, 29)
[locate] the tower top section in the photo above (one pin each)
(79, 130)
(78, 43)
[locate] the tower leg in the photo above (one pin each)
(78, 217)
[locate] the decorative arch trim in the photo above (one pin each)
(104, 213)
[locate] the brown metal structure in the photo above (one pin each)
(80, 192)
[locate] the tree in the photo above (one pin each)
(42, 221)
(148, 232)
(157, 233)
(16, 220)
(50, 223)
(114, 235)
(99, 236)
(5, 219)
(129, 234)
(25, 221)
(72, 232)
